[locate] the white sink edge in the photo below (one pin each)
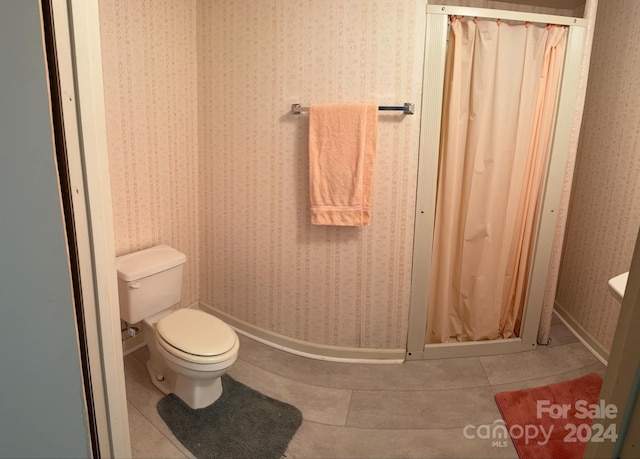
(618, 285)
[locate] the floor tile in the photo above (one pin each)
(145, 396)
(422, 409)
(318, 404)
(411, 410)
(140, 391)
(146, 440)
(501, 369)
(393, 409)
(322, 441)
(414, 375)
(559, 335)
(142, 354)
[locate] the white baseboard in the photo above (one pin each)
(586, 338)
(306, 349)
(133, 343)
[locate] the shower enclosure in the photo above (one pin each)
(438, 21)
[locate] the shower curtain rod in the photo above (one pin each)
(407, 108)
(506, 15)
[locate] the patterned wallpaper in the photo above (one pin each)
(549, 305)
(149, 66)
(262, 261)
(604, 213)
(205, 155)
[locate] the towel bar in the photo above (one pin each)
(407, 108)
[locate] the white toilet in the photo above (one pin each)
(189, 349)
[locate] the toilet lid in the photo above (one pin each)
(196, 332)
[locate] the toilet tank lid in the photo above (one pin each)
(143, 263)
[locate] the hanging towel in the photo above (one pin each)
(342, 147)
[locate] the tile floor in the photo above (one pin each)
(413, 410)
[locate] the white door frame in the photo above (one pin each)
(77, 34)
(434, 68)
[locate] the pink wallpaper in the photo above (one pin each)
(589, 12)
(149, 66)
(604, 213)
(261, 259)
(205, 155)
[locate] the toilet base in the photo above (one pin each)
(164, 382)
(195, 393)
(198, 393)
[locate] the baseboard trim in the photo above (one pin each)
(581, 333)
(133, 343)
(306, 349)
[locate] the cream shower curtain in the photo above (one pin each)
(500, 93)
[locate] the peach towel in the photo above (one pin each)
(342, 147)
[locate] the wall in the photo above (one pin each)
(262, 260)
(604, 213)
(149, 65)
(206, 156)
(42, 412)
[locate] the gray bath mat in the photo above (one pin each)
(242, 423)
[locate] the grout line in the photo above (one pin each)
(484, 370)
(494, 387)
(479, 359)
(340, 422)
(480, 387)
(285, 376)
(484, 386)
(135, 356)
(346, 419)
(179, 446)
(289, 377)
(440, 428)
(388, 429)
(552, 349)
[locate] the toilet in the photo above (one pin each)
(189, 350)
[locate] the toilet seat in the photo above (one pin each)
(207, 363)
(196, 337)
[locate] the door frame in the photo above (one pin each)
(433, 84)
(77, 36)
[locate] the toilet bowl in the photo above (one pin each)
(189, 350)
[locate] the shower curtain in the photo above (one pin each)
(498, 112)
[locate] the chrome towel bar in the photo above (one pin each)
(407, 108)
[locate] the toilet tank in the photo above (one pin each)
(149, 281)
